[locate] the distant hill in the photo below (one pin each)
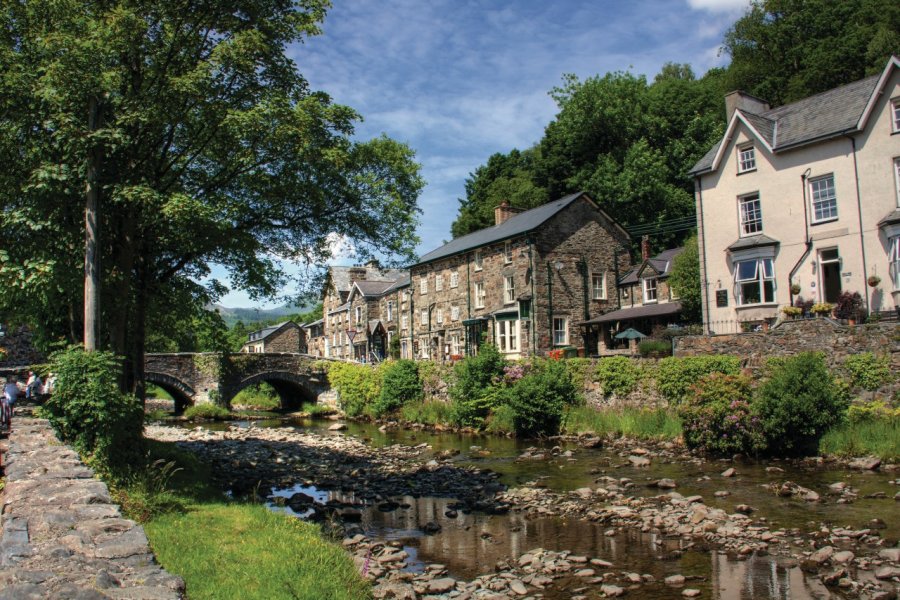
(251, 316)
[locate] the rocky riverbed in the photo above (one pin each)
(343, 481)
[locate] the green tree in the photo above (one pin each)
(211, 148)
(785, 50)
(685, 280)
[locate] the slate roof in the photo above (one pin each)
(661, 263)
(891, 218)
(824, 115)
(513, 226)
(400, 283)
(753, 241)
(314, 323)
(261, 334)
(341, 308)
(371, 289)
(637, 312)
(340, 276)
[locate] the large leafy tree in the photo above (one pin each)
(785, 50)
(685, 280)
(208, 148)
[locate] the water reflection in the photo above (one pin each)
(470, 545)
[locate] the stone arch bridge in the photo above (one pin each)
(196, 378)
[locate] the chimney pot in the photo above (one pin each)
(745, 102)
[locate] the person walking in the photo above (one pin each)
(11, 390)
(7, 400)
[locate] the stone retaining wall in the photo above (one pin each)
(790, 337)
(61, 536)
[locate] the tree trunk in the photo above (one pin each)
(91, 234)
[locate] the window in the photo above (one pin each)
(439, 316)
(390, 310)
(751, 214)
(454, 313)
(507, 252)
(897, 178)
(894, 267)
(508, 336)
(454, 279)
(358, 314)
(509, 290)
(424, 317)
(439, 283)
(405, 321)
(560, 331)
(598, 286)
(895, 115)
(479, 295)
(423, 285)
(754, 281)
(746, 159)
(479, 261)
(404, 349)
(823, 198)
(649, 290)
(455, 344)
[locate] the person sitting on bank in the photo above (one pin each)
(33, 386)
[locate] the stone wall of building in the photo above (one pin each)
(289, 339)
(61, 536)
(836, 341)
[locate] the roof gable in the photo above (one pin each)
(842, 110)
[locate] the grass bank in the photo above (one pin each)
(231, 549)
(878, 437)
(639, 423)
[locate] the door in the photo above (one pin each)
(830, 267)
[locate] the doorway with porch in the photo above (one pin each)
(830, 274)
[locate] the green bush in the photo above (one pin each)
(872, 411)
(581, 370)
(675, 376)
(798, 403)
(718, 418)
(430, 412)
(88, 410)
(868, 371)
(655, 348)
(400, 385)
(539, 399)
(471, 392)
(618, 375)
(206, 411)
(501, 420)
(357, 385)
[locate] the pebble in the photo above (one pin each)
(675, 580)
(730, 472)
(690, 593)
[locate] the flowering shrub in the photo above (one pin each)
(514, 372)
(718, 417)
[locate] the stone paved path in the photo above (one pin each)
(61, 536)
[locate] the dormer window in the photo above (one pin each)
(746, 158)
(649, 290)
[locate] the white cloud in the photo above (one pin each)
(720, 6)
(340, 247)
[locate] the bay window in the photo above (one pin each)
(508, 336)
(754, 281)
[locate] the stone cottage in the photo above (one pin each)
(283, 337)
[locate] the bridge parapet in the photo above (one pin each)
(196, 378)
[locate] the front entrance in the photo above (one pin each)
(830, 268)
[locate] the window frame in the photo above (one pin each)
(564, 330)
(404, 322)
(390, 310)
(439, 316)
(895, 115)
(509, 289)
(746, 164)
(507, 252)
(358, 314)
(438, 283)
(646, 288)
(602, 277)
(454, 279)
(454, 313)
(897, 179)
(423, 316)
(480, 294)
(894, 262)
(759, 279)
(423, 285)
(508, 338)
(478, 260)
(745, 225)
(813, 202)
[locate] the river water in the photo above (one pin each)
(471, 544)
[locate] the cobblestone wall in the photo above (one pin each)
(61, 536)
(836, 341)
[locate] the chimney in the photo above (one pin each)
(357, 273)
(745, 102)
(645, 247)
(504, 211)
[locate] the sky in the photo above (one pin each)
(459, 80)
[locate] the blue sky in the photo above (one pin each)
(459, 80)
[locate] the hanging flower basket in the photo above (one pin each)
(874, 280)
(795, 288)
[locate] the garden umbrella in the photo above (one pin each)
(630, 334)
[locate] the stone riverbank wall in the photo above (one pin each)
(835, 340)
(60, 534)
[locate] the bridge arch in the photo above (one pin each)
(293, 389)
(182, 393)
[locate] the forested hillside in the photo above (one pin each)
(630, 142)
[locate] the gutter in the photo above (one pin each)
(862, 244)
(808, 242)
